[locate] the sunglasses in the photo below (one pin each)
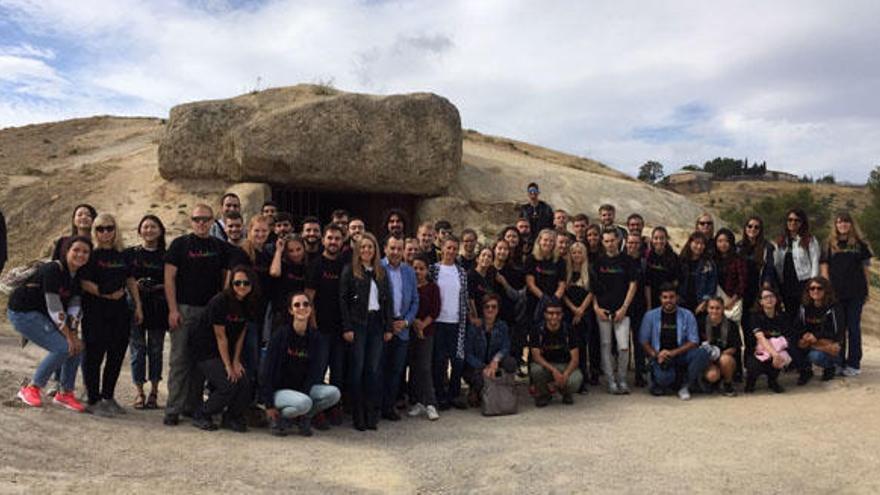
(201, 219)
(105, 228)
(302, 305)
(241, 283)
(533, 191)
(705, 223)
(816, 288)
(753, 226)
(794, 220)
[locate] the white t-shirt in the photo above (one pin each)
(450, 290)
(373, 301)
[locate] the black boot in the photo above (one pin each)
(372, 416)
(358, 416)
(750, 383)
(805, 376)
(774, 385)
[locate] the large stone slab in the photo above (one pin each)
(316, 137)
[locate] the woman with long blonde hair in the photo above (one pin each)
(845, 261)
(367, 321)
(578, 300)
(545, 273)
(106, 315)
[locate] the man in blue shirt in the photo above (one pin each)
(671, 341)
(405, 296)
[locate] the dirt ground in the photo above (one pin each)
(815, 439)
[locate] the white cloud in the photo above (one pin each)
(791, 82)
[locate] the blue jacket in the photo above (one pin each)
(685, 322)
(409, 304)
(476, 343)
(706, 281)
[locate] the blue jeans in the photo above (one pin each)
(292, 403)
(821, 359)
(146, 344)
(694, 361)
(852, 310)
(445, 348)
(364, 377)
(40, 330)
(394, 362)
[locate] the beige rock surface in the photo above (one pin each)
(317, 138)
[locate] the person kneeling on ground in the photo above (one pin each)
(771, 333)
(818, 331)
(669, 336)
(291, 387)
(721, 339)
(554, 357)
(216, 348)
(487, 347)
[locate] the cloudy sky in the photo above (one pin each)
(794, 83)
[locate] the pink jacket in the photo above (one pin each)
(778, 343)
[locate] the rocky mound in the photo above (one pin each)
(317, 138)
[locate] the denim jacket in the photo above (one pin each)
(476, 343)
(685, 322)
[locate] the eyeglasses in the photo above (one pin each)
(302, 305)
(768, 296)
(241, 283)
(201, 219)
(816, 288)
(705, 223)
(794, 220)
(753, 226)
(105, 228)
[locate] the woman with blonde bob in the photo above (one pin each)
(845, 261)
(578, 301)
(545, 274)
(106, 315)
(366, 307)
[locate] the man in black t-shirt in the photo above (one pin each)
(554, 350)
(196, 267)
(538, 213)
(322, 287)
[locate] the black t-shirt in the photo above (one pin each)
(467, 264)
(479, 286)
(220, 311)
(293, 279)
(51, 278)
(820, 322)
(713, 334)
(323, 278)
(517, 280)
(777, 326)
(108, 269)
(846, 268)
(200, 263)
(659, 270)
(261, 267)
(612, 279)
(575, 293)
(668, 331)
(547, 273)
(555, 346)
(295, 365)
(147, 264)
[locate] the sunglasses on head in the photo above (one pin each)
(105, 228)
(241, 283)
(201, 219)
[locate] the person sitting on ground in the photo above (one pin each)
(46, 310)
(771, 332)
(217, 347)
(290, 386)
(671, 342)
(554, 357)
(722, 334)
(487, 347)
(818, 331)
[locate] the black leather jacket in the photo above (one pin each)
(354, 297)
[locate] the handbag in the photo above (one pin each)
(499, 395)
(736, 312)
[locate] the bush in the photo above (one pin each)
(773, 209)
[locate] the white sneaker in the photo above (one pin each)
(623, 387)
(416, 410)
(684, 393)
(432, 413)
(851, 371)
(613, 389)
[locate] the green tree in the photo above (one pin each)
(773, 209)
(869, 220)
(651, 172)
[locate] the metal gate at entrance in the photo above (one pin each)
(371, 207)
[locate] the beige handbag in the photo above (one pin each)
(736, 312)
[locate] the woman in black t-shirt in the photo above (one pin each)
(288, 268)
(818, 331)
(578, 300)
(514, 245)
(106, 315)
(291, 386)
(594, 242)
(845, 261)
(770, 335)
(545, 274)
(481, 281)
(45, 310)
(722, 334)
(217, 347)
(80, 226)
(260, 260)
(661, 266)
(148, 338)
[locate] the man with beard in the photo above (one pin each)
(229, 203)
(311, 234)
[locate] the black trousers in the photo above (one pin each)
(233, 398)
(106, 330)
(756, 368)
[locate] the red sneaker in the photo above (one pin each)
(68, 400)
(30, 395)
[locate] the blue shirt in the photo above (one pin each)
(685, 322)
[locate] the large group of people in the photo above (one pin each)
(314, 322)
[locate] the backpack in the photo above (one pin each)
(499, 395)
(21, 275)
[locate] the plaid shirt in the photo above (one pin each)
(462, 305)
(733, 275)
